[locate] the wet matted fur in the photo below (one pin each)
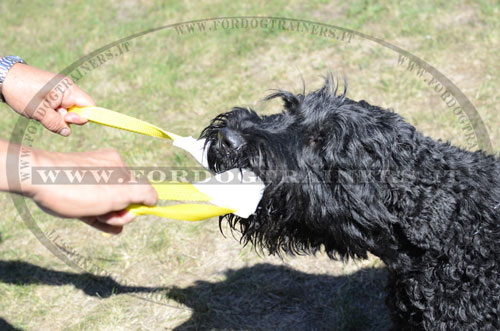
(351, 178)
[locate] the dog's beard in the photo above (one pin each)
(281, 221)
(254, 152)
(302, 210)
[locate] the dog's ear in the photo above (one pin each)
(291, 101)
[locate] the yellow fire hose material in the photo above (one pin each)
(241, 199)
(183, 212)
(121, 121)
(180, 192)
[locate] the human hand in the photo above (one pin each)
(99, 205)
(45, 97)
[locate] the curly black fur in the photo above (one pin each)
(354, 178)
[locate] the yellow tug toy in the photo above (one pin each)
(216, 198)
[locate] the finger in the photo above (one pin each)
(93, 222)
(117, 218)
(145, 194)
(54, 122)
(74, 96)
(62, 111)
(73, 118)
(83, 99)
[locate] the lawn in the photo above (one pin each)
(161, 274)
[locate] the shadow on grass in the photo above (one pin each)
(22, 273)
(269, 297)
(5, 326)
(261, 297)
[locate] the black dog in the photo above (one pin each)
(353, 178)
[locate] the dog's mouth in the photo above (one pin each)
(225, 150)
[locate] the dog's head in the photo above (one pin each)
(309, 157)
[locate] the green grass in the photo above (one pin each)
(180, 82)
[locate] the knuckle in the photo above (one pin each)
(107, 150)
(154, 196)
(51, 122)
(149, 195)
(65, 87)
(119, 161)
(50, 101)
(68, 90)
(113, 155)
(69, 82)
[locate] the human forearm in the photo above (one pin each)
(44, 96)
(9, 166)
(100, 205)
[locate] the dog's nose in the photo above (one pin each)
(230, 139)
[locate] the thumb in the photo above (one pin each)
(145, 194)
(54, 122)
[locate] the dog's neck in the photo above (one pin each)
(424, 202)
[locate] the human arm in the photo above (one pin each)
(44, 96)
(99, 205)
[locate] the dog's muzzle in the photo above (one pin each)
(224, 152)
(230, 139)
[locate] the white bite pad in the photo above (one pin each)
(234, 189)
